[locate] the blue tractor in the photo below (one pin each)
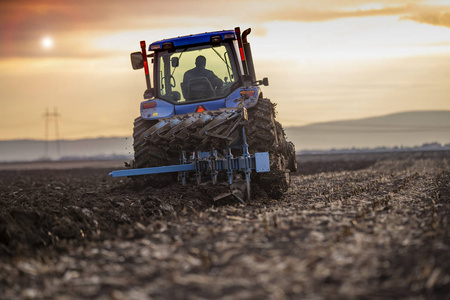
(204, 116)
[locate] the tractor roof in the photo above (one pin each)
(193, 39)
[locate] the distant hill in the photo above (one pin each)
(100, 148)
(406, 129)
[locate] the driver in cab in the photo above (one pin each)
(198, 73)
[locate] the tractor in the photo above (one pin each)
(204, 117)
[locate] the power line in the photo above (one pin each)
(51, 117)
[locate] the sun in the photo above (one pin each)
(47, 42)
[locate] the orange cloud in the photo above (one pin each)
(23, 23)
(433, 15)
(438, 16)
(313, 15)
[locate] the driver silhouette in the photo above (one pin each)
(194, 84)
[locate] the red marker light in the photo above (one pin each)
(200, 108)
(247, 93)
(148, 105)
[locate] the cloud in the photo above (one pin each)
(428, 14)
(437, 16)
(313, 15)
(74, 25)
(24, 22)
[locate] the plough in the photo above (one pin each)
(209, 165)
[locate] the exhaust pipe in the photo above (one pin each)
(241, 50)
(248, 54)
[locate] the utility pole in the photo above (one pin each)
(51, 117)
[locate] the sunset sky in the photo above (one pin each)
(326, 60)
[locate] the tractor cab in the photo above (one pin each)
(204, 109)
(209, 68)
(195, 73)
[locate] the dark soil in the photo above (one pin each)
(350, 226)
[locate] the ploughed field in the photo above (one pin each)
(350, 226)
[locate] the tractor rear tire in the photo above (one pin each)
(143, 152)
(148, 155)
(265, 134)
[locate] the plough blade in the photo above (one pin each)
(198, 131)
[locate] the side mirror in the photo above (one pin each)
(264, 82)
(175, 62)
(136, 60)
(148, 94)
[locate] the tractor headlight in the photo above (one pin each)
(155, 47)
(216, 39)
(168, 45)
